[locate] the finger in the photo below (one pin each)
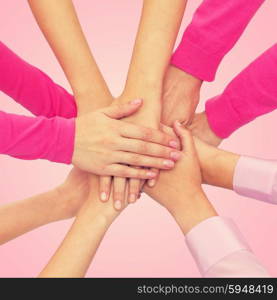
(151, 149)
(119, 190)
(152, 182)
(105, 187)
(118, 111)
(130, 172)
(142, 183)
(148, 135)
(134, 189)
(185, 137)
(168, 130)
(139, 160)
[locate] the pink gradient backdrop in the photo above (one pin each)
(144, 241)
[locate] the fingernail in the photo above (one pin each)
(117, 204)
(132, 198)
(178, 123)
(103, 196)
(175, 155)
(173, 144)
(136, 101)
(151, 174)
(151, 183)
(168, 163)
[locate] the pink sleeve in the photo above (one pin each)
(215, 28)
(32, 88)
(256, 178)
(37, 137)
(220, 250)
(251, 94)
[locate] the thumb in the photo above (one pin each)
(118, 111)
(185, 136)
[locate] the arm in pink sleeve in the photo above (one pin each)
(220, 250)
(37, 137)
(32, 88)
(256, 178)
(215, 28)
(251, 94)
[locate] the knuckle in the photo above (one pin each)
(118, 195)
(147, 133)
(141, 173)
(124, 173)
(162, 151)
(143, 148)
(135, 159)
(164, 138)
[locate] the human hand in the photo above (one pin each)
(106, 147)
(200, 128)
(181, 93)
(97, 210)
(179, 190)
(148, 116)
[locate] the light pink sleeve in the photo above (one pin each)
(256, 178)
(249, 95)
(32, 88)
(37, 137)
(215, 28)
(220, 250)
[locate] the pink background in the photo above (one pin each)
(144, 241)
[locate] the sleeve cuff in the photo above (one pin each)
(193, 60)
(212, 240)
(221, 117)
(256, 178)
(63, 147)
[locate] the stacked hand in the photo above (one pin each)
(105, 145)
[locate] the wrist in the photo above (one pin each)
(149, 115)
(148, 90)
(97, 214)
(57, 208)
(180, 78)
(218, 169)
(91, 100)
(187, 215)
(191, 81)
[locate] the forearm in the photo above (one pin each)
(32, 88)
(187, 212)
(59, 23)
(23, 216)
(217, 166)
(74, 256)
(37, 137)
(250, 94)
(212, 34)
(155, 39)
(199, 210)
(220, 250)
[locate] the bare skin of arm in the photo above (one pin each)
(181, 92)
(185, 200)
(59, 24)
(177, 190)
(77, 250)
(60, 203)
(217, 168)
(157, 32)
